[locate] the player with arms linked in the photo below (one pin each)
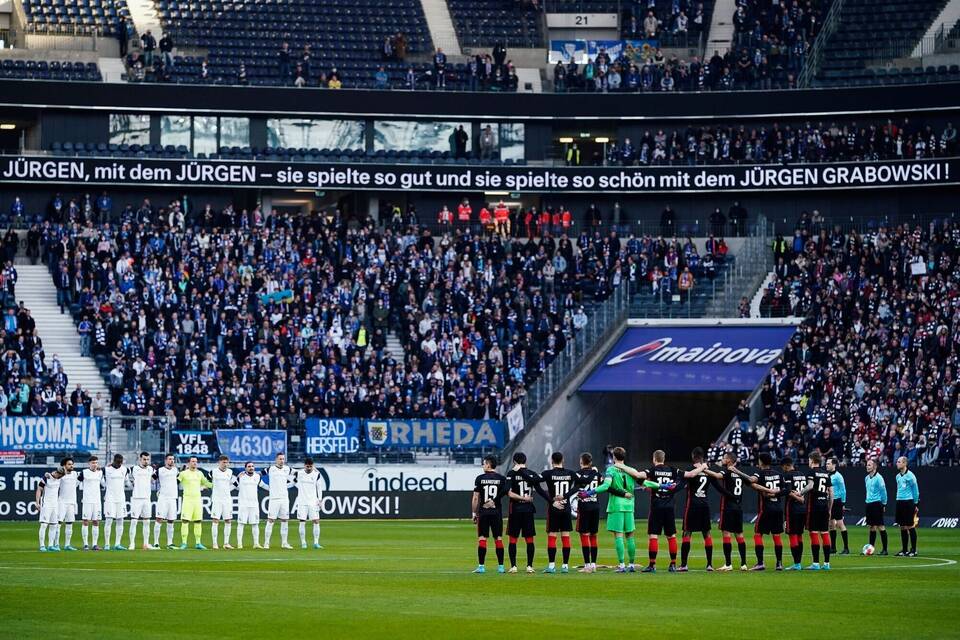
(770, 484)
(488, 491)
(588, 478)
(620, 506)
(819, 492)
(522, 483)
(561, 486)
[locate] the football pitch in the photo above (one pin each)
(411, 579)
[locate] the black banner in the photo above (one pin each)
(381, 177)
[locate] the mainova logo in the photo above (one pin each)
(660, 350)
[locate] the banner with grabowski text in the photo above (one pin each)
(133, 172)
(31, 433)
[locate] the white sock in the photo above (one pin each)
(67, 534)
(170, 528)
(239, 534)
(267, 532)
(43, 534)
(107, 528)
(227, 528)
(85, 535)
(96, 534)
(119, 537)
(316, 533)
(284, 529)
(256, 534)
(133, 534)
(216, 531)
(303, 533)
(156, 532)
(54, 535)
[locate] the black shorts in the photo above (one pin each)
(818, 520)
(796, 520)
(661, 521)
(559, 520)
(490, 524)
(696, 517)
(588, 521)
(875, 514)
(770, 521)
(836, 512)
(906, 511)
(520, 525)
(731, 519)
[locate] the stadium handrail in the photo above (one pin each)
(830, 24)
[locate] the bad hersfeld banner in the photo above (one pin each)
(132, 172)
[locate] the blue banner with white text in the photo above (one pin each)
(252, 445)
(567, 51)
(664, 358)
(332, 435)
(32, 433)
(435, 433)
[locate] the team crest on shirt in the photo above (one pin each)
(377, 432)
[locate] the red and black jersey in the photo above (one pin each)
(663, 474)
(560, 483)
(796, 481)
(771, 479)
(492, 487)
(732, 489)
(588, 479)
(819, 496)
(697, 490)
(523, 483)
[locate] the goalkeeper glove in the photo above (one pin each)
(586, 494)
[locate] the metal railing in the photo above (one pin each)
(754, 262)
(912, 48)
(870, 224)
(815, 55)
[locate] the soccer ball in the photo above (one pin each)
(867, 550)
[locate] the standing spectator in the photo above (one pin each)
(400, 46)
(387, 49)
(573, 155)
(410, 80)
(242, 75)
(64, 286)
(460, 140)
(283, 62)
(488, 142)
(738, 219)
(686, 283)
(104, 206)
(166, 51)
(499, 54)
(85, 329)
(668, 222)
(651, 25)
(380, 78)
(464, 212)
(149, 45)
(123, 35)
(717, 222)
(440, 68)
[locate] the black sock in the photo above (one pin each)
(594, 551)
(873, 538)
(826, 553)
(795, 551)
(800, 548)
(904, 538)
(883, 538)
(778, 552)
(759, 551)
(846, 544)
(551, 554)
(586, 551)
(742, 548)
(512, 548)
(565, 552)
(482, 553)
(833, 541)
(684, 552)
(530, 551)
(500, 554)
(727, 552)
(913, 540)
(815, 548)
(708, 549)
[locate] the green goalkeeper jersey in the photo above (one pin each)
(192, 483)
(624, 483)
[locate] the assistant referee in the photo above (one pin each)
(908, 507)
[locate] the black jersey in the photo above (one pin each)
(818, 498)
(586, 480)
(732, 485)
(697, 490)
(523, 483)
(796, 481)
(491, 487)
(663, 474)
(771, 479)
(561, 483)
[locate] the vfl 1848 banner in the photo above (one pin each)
(363, 176)
(49, 434)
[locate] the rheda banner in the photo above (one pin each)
(133, 172)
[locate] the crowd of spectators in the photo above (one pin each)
(669, 21)
(872, 371)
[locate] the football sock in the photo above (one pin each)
(585, 548)
(84, 535)
(826, 551)
(618, 543)
(284, 530)
(43, 534)
(708, 548)
(227, 528)
(904, 538)
(215, 531)
(96, 534)
(512, 549)
(913, 540)
(171, 526)
(256, 534)
(267, 533)
(778, 549)
(68, 533)
(133, 534)
(873, 538)
(184, 532)
(156, 532)
(653, 546)
(239, 534)
(498, 543)
(684, 550)
(758, 547)
(846, 544)
(119, 531)
(565, 546)
(107, 528)
(631, 543)
(833, 540)
(481, 551)
(742, 549)
(302, 528)
(54, 535)
(316, 534)
(197, 531)
(594, 548)
(727, 550)
(815, 546)
(672, 546)
(551, 549)
(883, 538)
(531, 549)
(795, 548)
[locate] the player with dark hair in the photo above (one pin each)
(588, 512)
(620, 506)
(696, 513)
(819, 504)
(796, 510)
(836, 514)
(731, 512)
(488, 491)
(522, 483)
(770, 485)
(908, 507)
(561, 485)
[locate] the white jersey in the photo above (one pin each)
(222, 483)
(247, 489)
(116, 480)
(167, 479)
(68, 488)
(91, 483)
(142, 481)
(308, 487)
(51, 490)
(279, 481)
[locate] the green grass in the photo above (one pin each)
(405, 579)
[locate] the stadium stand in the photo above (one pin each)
(49, 70)
(677, 23)
(76, 16)
(486, 23)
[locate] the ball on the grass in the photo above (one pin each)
(867, 550)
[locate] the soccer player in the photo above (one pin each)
(908, 507)
(876, 505)
(307, 505)
(248, 504)
(588, 478)
(167, 495)
(839, 500)
(662, 519)
(771, 488)
(68, 502)
(796, 510)
(731, 512)
(561, 485)
(819, 505)
(115, 502)
(522, 483)
(488, 491)
(620, 521)
(48, 504)
(193, 481)
(696, 514)
(221, 507)
(279, 476)
(142, 474)
(91, 483)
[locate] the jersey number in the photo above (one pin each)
(738, 486)
(563, 487)
(489, 492)
(822, 486)
(523, 488)
(702, 489)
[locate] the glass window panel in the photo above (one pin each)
(129, 129)
(315, 134)
(175, 130)
(401, 135)
(511, 141)
(205, 134)
(234, 132)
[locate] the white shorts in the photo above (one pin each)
(140, 508)
(50, 512)
(92, 511)
(221, 509)
(167, 509)
(308, 511)
(248, 515)
(68, 512)
(115, 509)
(278, 508)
